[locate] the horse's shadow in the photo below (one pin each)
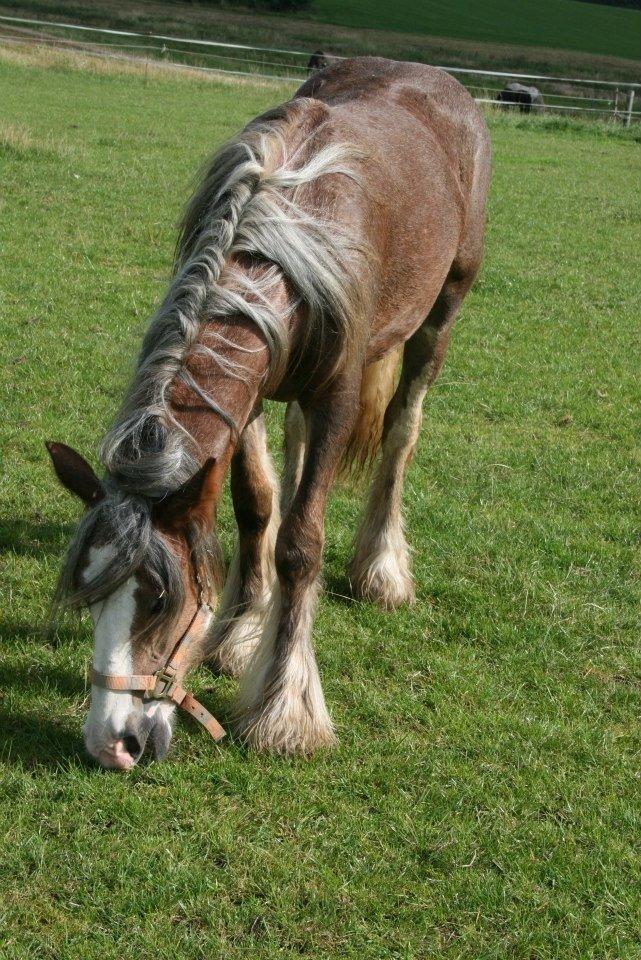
(33, 536)
(36, 736)
(36, 740)
(338, 588)
(34, 678)
(39, 737)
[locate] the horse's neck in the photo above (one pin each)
(233, 382)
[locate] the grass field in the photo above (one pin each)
(565, 24)
(484, 800)
(553, 37)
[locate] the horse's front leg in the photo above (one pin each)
(248, 589)
(281, 706)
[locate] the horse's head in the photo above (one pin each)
(147, 572)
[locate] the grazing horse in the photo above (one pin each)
(518, 95)
(332, 232)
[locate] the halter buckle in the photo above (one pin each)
(164, 686)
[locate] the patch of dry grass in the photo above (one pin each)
(106, 63)
(16, 138)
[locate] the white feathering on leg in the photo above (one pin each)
(380, 570)
(283, 710)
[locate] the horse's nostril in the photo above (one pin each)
(132, 745)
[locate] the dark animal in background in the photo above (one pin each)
(518, 95)
(319, 60)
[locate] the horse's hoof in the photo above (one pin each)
(386, 581)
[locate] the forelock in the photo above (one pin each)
(125, 523)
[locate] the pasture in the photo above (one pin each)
(564, 38)
(484, 799)
(567, 24)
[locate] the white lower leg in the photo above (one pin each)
(237, 628)
(238, 625)
(281, 707)
(380, 570)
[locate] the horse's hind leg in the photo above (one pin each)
(380, 570)
(251, 576)
(295, 442)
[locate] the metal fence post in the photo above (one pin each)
(629, 105)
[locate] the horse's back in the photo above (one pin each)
(423, 207)
(425, 136)
(401, 99)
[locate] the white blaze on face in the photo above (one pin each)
(113, 620)
(112, 653)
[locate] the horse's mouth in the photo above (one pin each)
(116, 756)
(124, 752)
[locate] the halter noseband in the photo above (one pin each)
(166, 682)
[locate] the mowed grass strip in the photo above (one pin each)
(484, 799)
(568, 24)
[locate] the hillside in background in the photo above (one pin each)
(564, 24)
(558, 37)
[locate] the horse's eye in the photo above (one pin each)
(156, 606)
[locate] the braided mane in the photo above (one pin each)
(245, 204)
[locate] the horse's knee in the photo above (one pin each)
(253, 516)
(299, 549)
(252, 495)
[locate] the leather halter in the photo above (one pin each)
(166, 682)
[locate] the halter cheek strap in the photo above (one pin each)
(166, 683)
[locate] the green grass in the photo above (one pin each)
(566, 24)
(484, 799)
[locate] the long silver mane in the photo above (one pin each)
(247, 204)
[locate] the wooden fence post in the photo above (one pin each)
(629, 105)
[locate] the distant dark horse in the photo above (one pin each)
(329, 234)
(319, 60)
(516, 94)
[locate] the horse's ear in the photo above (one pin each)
(195, 501)
(74, 473)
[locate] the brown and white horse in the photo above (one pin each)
(329, 233)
